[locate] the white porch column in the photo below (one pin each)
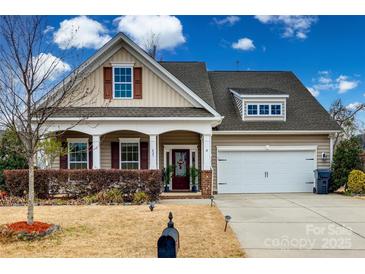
(96, 152)
(153, 152)
(206, 152)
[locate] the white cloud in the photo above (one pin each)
(229, 20)
(353, 106)
(81, 32)
(47, 63)
(48, 29)
(244, 44)
(325, 81)
(167, 29)
(293, 26)
(314, 92)
(344, 84)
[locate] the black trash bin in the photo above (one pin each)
(322, 182)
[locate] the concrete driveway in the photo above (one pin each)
(297, 224)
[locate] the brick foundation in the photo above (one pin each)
(206, 183)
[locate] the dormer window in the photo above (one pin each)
(275, 109)
(255, 104)
(264, 109)
(251, 109)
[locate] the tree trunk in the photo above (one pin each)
(30, 215)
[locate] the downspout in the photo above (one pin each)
(331, 137)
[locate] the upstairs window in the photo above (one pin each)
(275, 109)
(252, 109)
(264, 110)
(123, 82)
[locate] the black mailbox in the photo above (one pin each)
(168, 243)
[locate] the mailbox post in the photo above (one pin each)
(169, 242)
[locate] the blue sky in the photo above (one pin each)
(327, 53)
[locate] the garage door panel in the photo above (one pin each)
(265, 171)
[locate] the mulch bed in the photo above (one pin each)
(23, 231)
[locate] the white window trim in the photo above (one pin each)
(129, 141)
(265, 115)
(127, 65)
(77, 140)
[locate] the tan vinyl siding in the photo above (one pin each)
(178, 138)
(55, 164)
(155, 91)
(322, 141)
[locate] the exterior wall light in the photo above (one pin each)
(324, 156)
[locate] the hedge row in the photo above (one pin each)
(81, 183)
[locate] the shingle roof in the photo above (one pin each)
(304, 112)
(258, 91)
(194, 75)
(132, 112)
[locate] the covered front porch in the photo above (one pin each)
(181, 150)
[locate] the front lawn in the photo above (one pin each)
(123, 231)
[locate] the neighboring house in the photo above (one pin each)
(247, 131)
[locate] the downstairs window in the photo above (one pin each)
(129, 154)
(77, 154)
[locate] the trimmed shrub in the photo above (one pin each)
(140, 198)
(345, 159)
(104, 197)
(82, 183)
(356, 182)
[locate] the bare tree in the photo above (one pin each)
(27, 70)
(346, 118)
(151, 44)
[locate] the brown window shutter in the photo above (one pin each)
(64, 158)
(108, 83)
(90, 155)
(144, 154)
(137, 83)
(115, 155)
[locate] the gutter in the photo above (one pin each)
(273, 132)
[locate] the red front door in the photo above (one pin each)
(180, 176)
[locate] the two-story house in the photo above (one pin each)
(247, 131)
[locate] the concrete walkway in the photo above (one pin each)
(297, 224)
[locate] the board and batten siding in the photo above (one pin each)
(155, 91)
(322, 141)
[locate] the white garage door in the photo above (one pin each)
(265, 171)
